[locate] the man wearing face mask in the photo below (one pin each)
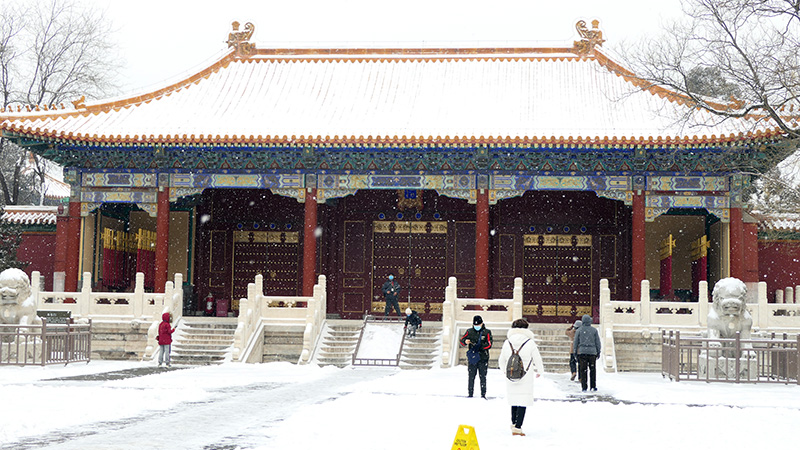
(479, 338)
(390, 291)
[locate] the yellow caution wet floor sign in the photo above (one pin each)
(466, 439)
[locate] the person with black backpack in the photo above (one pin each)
(521, 362)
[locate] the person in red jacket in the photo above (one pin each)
(165, 331)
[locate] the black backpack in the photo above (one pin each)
(515, 369)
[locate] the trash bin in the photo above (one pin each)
(222, 307)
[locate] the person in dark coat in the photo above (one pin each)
(414, 321)
(391, 288)
(165, 331)
(479, 338)
(573, 357)
(587, 346)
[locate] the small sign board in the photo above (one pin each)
(466, 439)
(55, 317)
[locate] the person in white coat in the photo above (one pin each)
(519, 393)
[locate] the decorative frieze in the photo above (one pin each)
(127, 180)
(560, 183)
(678, 200)
(118, 196)
(678, 183)
(237, 180)
(395, 181)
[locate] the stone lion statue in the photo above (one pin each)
(17, 305)
(729, 313)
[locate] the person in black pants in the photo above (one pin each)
(391, 289)
(480, 339)
(587, 346)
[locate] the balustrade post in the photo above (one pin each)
(644, 315)
(169, 289)
(789, 296)
(85, 298)
(763, 308)
(676, 357)
(35, 287)
(138, 296)
(778, 296)
(702, 304)
(737, 353)
(516, 309)
(177, 305)
(796, 294)
(258, 298)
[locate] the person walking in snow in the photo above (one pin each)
(519, 393)
(414, 321)
(479, 340)
(165, 331)
(391, 289)
(573, 357)
(587, 346)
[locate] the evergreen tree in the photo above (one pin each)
(10, 238)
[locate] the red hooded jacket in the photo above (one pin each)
(165, 331)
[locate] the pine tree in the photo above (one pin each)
(10, 238)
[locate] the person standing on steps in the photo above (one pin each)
(573, 357)
(477, 339)
(391, 289)
(413, 322)
(587, 346)
(519, 392)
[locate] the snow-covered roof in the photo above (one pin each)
(30, 215)
(392, 95)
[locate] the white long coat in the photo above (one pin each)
(520, 392)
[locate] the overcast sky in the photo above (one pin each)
(160, 40)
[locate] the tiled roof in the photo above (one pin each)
(30, 215)
(328, 96)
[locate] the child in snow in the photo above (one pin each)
(165, 331)
(412, 319)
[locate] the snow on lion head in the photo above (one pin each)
(17, 305)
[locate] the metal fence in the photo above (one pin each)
(23, 345)
(378, 361)
(735, 360)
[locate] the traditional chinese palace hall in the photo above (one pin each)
(485, 164)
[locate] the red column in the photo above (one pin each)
(736, 244)
(637, 246)
(750, 248)
(162, 240)
(482, 245)
(60, 257)
(310, 243)
(73, 245)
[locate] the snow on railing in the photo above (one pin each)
(648, 317)
(459, 311)
(112, 306)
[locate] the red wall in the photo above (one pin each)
(38, 248)
(778, 265)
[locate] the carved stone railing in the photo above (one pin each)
(113, 306)
(650, 317)
(258, 309)
(459, 312)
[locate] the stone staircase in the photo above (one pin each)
(553, 346)
(550, 338)
(424, 350)
(282, 344)
(338, 343)
(203, 341)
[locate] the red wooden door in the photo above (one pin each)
(557, 276)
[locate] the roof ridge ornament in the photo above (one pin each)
(79, 103)
(239, 40)
(590, 38)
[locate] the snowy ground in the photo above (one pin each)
(283, 406)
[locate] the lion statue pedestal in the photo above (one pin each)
(18, 307)
(727, 317)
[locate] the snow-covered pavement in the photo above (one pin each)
(283, 406)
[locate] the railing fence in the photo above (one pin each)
(733, 360)
(22, 345)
